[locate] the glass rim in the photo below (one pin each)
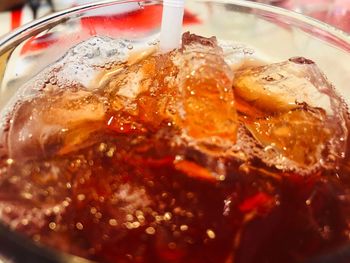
(19, 34)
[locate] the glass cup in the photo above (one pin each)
(274, 34)
(334, 12)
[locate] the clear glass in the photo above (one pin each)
(334, 12)
(275, 34)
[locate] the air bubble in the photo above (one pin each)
(79, 226)
(183, 227)
(53, 81)
(81, 197)
(52, 225)
(113, 222)
(150, 230)
(9, 161)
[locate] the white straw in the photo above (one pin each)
(171, 29)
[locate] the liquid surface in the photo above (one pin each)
(178, 157)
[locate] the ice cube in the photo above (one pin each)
(292, 108)
(189, 88)
(83, 63)
(238, 55)
(140, 95)
(301, 135)
(54, 122)
(205, 102)
(281, 87)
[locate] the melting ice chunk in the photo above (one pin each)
(294, 110)
(206, 109)
(191, 88)
(300, 135)
(283, 86)
(53, 122)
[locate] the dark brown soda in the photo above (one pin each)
(128, 199)
(127, 192)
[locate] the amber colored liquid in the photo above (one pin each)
(132, 195)
(129, 200)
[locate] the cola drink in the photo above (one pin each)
(194, 155)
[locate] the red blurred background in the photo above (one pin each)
(14, 13)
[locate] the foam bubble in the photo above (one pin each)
(78, 67)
